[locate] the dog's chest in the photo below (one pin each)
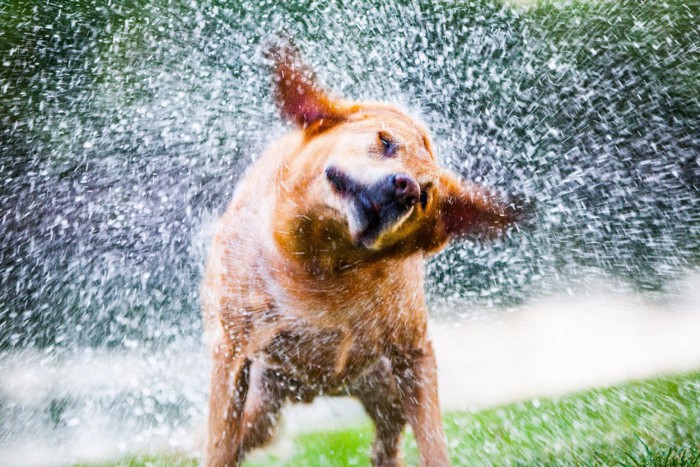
(325, 333)
(325, 359)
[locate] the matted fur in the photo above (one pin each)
(314, 282)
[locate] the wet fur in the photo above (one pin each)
(297, 304)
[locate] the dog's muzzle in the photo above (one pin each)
(377, 206)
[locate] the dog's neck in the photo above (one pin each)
(322, 250)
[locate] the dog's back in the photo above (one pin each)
(242, 248)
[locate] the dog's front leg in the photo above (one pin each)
(229, 387)
(416, 374)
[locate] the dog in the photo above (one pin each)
(314, 278)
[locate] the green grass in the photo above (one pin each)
(646, 423)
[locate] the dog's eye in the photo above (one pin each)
(390, 146)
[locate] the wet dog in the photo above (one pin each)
(314, 282)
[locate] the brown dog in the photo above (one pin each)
(314, 283)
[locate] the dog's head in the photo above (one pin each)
(365, 179)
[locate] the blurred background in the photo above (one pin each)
(125, 125)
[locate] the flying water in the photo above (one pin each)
(125, 126)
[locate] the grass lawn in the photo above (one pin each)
(652, 422)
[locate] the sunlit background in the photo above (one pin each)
(125, 126)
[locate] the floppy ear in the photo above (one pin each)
(298, 94)
(466, 209)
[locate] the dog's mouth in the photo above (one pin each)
(376, 208)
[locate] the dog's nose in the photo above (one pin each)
(405, 188)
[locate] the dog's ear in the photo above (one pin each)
(299, 96)
(466, 209)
